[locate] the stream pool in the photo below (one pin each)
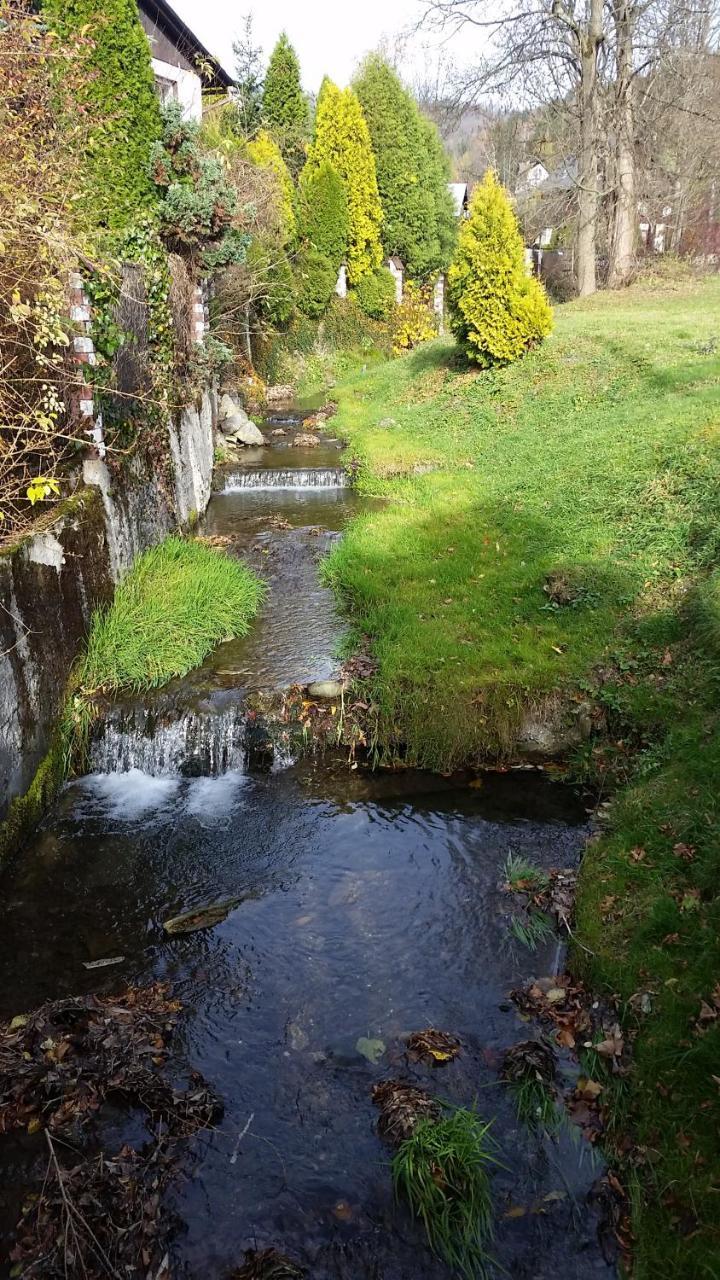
(371, 905)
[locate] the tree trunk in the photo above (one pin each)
(589, 190)
(624, 222)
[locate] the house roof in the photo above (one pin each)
(172, 26)
(459, 193)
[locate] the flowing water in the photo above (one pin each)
(369, 905)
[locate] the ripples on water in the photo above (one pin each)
(369, 906)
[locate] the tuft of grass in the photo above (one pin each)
(532, 929)
(180, 600)
(442, 1172)
(522, 876)
(535, 1103)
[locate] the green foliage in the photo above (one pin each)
(119, 97)
(376, 294)
(179, 600)
(442, 1171)
(342, 139)
(522, 875)
(323, 212)
(284, 105)
(412, 175)
(197, 203)
(316, 277)
(315, 354)
(269, 264)
(264, 152)
(247, 99)
(532, 929)
(438, 177)
(414, 320)
(497, 310)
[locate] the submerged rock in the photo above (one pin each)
(325, 689)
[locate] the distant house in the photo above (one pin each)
(181, 63)
(459, 193)
(396, 268)
(531, 177)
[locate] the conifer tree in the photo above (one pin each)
(439, 177)
(323, 212)
(120, 96)
(284, 105)
(497, 310)
(342, 139)
(417, 212)
(264, 152)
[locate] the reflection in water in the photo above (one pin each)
(369, 905)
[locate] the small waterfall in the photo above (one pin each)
(194, 744)
(287, 478)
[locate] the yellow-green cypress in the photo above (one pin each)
(342, 139)
(497, 309)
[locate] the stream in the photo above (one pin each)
(368, 905)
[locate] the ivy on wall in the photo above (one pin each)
(119, 97)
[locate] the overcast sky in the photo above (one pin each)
(330, 36)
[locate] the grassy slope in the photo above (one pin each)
(598, 455)
(178, 602)
(595, 456)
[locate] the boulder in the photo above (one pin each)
(240, 430)
(325, 689)
(233, 421)
(279, 394)
(304, 440)
(228, 406)
(278, 432)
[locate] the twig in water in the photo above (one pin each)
(234, 1156)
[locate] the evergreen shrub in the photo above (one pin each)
(497, 310)
(375, 294)
(315, 277)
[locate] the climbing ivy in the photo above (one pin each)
(118, 96)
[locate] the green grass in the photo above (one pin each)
(596, 458)
(523, 876)
(535, 1103)
(178, 602)
(595, 462)
(532, 929)
(442, 1172)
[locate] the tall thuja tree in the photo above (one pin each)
(411, 184)
(323, 228)
(438, 177)
(285, 111)
(342, 139)
(497, 310)
(324, 222)
(119, 97)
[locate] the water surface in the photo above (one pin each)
(370, 906)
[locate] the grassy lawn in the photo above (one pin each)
(593, 463)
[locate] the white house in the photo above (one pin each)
(181, 63)
(459, 193)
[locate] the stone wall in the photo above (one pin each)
(53, 580)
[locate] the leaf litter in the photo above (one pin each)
(98, 1215)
